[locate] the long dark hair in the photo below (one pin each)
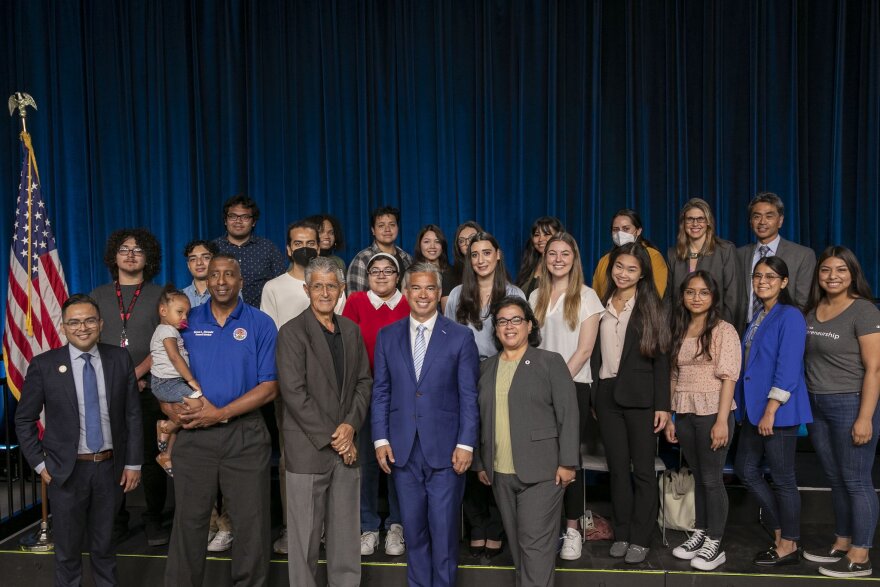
(681, 319)
(457, 256)
(418, 257)
(778, 266)
(547, 225)
(469, 311)
(858, 287)
(648, 308)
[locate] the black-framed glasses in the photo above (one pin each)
(387, 272)
(695, 220)
(516, 321)
(75, 324)
(125, 251)
(242, 217)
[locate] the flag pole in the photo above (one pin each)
(42, 540)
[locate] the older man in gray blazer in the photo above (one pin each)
(324, 374)
(766, 215)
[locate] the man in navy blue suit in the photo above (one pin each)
(425, 422)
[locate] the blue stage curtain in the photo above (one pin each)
(153, 112)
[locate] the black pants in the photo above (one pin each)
(710, 496)
(629, 439)
(153, 478)
(82, 519)
(480, 510)
(574, 494)
(234, 456)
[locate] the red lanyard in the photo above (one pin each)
(124, 315)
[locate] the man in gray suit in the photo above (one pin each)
(325, 381)
(766, 214)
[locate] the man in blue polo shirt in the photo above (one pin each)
(232, 354)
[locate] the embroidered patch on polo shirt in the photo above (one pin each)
(239, 334)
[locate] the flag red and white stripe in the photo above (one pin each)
(37, 288)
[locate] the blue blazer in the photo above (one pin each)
(441, 406)
(776, 360)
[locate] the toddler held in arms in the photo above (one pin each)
(172, 380)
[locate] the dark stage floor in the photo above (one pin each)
(143, 565)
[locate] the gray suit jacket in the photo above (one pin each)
(801, 263)
(314, 406)
(722, 266)
(543, 413)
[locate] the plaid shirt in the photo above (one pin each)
(357, 279)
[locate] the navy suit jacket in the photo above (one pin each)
(776, 359)
(441, 407)
(49, 382)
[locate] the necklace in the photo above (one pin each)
(693, 255)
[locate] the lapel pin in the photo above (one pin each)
(62, 369)
(528, 362)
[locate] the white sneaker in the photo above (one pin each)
(572, 545)
(369, 540)
(689, 548)
(394, 543)
(710, 556)
(211, 534)
(222, 542)
(280, 545)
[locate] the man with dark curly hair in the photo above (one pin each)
(259, 258)
(128, 305)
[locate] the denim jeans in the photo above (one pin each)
(848, 467)
(710, 496)
(782, 505)
(371, 521)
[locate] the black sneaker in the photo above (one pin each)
(688, 550)
(846, 568)
(710, 556)
(821, 555)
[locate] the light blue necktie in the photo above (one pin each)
(419, 350)
(758, 305)
(94, 434)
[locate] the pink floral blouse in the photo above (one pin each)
(696, 387)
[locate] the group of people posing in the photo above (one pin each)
(471, 391)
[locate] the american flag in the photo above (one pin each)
(36, 280)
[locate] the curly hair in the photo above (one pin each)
(142, 238)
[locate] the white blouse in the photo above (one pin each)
(555, 333)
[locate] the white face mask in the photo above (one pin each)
(622, 238)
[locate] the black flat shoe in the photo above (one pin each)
(771, 558)
(493, 552)
(477, 551)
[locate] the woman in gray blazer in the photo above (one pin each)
(529, 444)
(699, 247)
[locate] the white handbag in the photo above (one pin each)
(677, 510)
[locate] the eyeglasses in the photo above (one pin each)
(695, 220)
(697, 293)
(319, 287)
(516, 321)
(75, 324)
(765, 276)
(239, 217)
(387, 272)
(463, 240)
(125, 251)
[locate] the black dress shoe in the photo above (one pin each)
(157, 535)
(771, 558)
